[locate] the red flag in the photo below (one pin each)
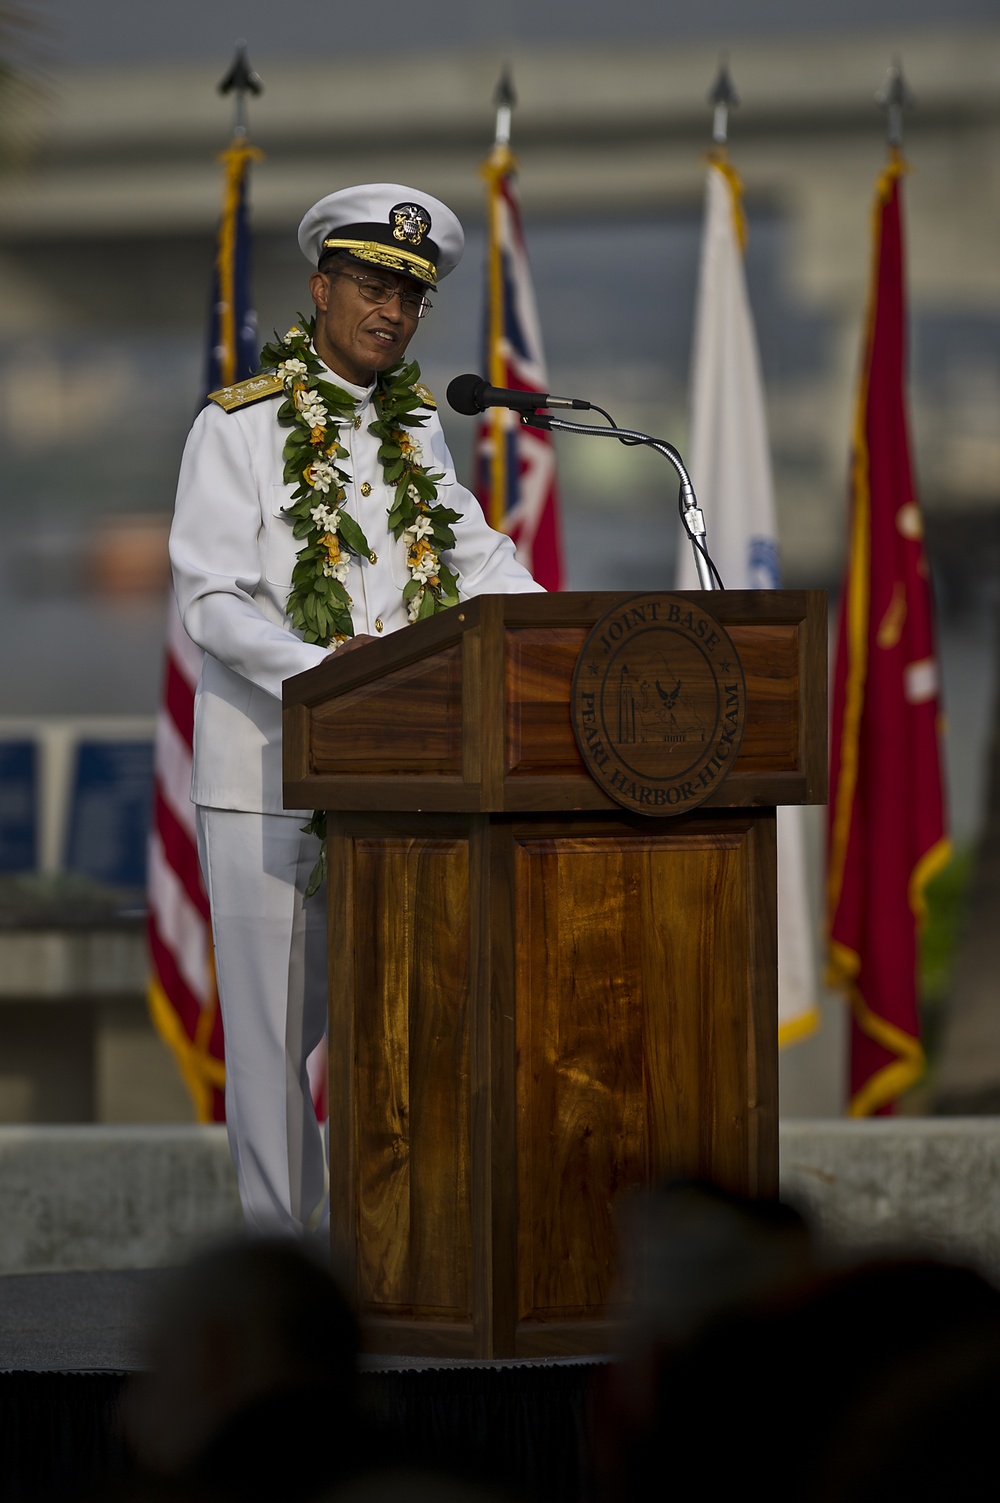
(887, 820)
(515, 466)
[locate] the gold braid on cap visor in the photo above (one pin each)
(383, 255)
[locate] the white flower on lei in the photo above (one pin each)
(413, 493)
(426, 568)
(421, 528)
(413, 606)
(289, 369)
(320, 476)
(324, 517)
(338, 571)
(312, 408)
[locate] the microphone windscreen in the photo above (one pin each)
(465, 395)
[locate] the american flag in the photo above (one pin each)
(515, 466)
(182, 993)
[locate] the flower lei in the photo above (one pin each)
(314, 409)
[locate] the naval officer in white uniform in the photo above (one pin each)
(233, 551)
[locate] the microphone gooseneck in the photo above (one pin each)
(471, 395)
(691, 515)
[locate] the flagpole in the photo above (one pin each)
(515, 466)
(240, 81)
(895, 96)
(729, 457)
(723, 97)
(505, 99)
(499, 162)
(887, 823)
(182, 994)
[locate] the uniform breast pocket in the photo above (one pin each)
(282, 547)
(396, 550)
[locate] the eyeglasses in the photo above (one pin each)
(413, 304)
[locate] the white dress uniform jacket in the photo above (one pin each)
(232, 551)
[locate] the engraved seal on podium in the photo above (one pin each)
(658, 704)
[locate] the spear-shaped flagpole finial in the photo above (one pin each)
(241, 80)
(895, 96)
(723, 97)
(505, 99)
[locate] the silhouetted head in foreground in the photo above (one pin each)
(812, 1385)
(251, 1390)
(693, 1252)
(693, 1256)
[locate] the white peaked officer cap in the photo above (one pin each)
(387, 225)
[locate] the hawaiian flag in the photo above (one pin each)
(182, 993)
(886, 818)
(515, 466)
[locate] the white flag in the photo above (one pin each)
(730, 466)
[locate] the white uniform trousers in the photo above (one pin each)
(270, 957)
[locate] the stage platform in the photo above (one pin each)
(73, 1322)
(68, 1342)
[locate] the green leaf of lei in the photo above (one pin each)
(318, 605)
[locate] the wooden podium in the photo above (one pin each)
(537, 998)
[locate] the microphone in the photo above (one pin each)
(471, 394)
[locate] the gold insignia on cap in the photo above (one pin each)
(384, 255)
(242, 393)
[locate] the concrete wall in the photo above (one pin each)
(912, 1183)
(76, 1040)
(90, 1198)
(86, 1198)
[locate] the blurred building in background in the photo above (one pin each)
(107, 216)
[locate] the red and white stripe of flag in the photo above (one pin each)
(182, 991)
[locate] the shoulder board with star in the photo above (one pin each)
(426, 395)
(242, 393)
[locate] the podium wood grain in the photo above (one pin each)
(537, 1000)
(543, 1015)
(470, 711)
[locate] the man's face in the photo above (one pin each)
(355, 337)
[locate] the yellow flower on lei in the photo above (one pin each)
(422, 561)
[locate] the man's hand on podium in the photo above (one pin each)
(353, 642)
